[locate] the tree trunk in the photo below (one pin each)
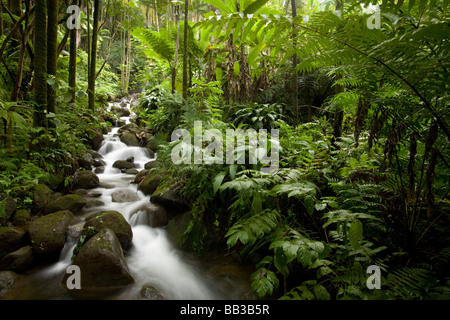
(52, 52)
(294, 66)
(73, 61)
(40, 64)
(20, 62)
(177, 45)
(156, 16)
(185, 49)
(91, 80)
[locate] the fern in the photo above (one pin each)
(410, 283)
(249, 229)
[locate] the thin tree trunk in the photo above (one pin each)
(73, 61)
(185, 49)
(294, 66)
(177, 41)
(21, 60)
(156, 16)
(52, 52)
(40, 64)
(91, 80)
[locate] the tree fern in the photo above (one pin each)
(159, 42)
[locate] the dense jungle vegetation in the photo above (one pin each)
(359, 92)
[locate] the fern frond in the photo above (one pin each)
(250, 228)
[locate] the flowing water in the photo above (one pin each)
(152, 260)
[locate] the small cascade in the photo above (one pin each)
(152, 259)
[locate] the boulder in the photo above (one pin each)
(95, 154)
(170, 198)
(151, 143)
(109, 117)
(85, 179)
(151, 293)
(7, 207)
(121, 110)
(22, 217)
(153, 215)
(94, 137)
(132, 171)
(11, 239)
(150, 183)
(19, 260)
(140, 176)
(7, 281)
(112, 220)
(98, 163)
(177, 227)
(94, 203)
(48, 233)
(81, 192)
(95, 194)
(150, 165)
(42, 195)
(71, 202)
(130, 139)
(86, 161)
(131, 127)
(100, 169)
(122, 164)
(124, 195)
(102, 264)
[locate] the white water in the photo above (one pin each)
(152, 259)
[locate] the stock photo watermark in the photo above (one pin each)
(208, 147)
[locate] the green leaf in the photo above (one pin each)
(321, 292)
(67, 97)
(355, 234)
(254, 6)
(309, 204)
(236, 68)
(219, 5)
(304, 256)
(255, 52)
(218, 181)
(247, 29)
(233, 170)
(281, 261)
(264, 282)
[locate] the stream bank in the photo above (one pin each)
(156, 267)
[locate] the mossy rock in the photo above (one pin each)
(122, 164)
(11, 239)
(42, 195)
(7, 207)
(48, 233)
(19, 260)
(71, 202)
(112, 220)
(22, 217)
(150, 183)
(130, 139)
(102, 265)
(85, 179)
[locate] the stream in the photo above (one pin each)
(153, 260)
